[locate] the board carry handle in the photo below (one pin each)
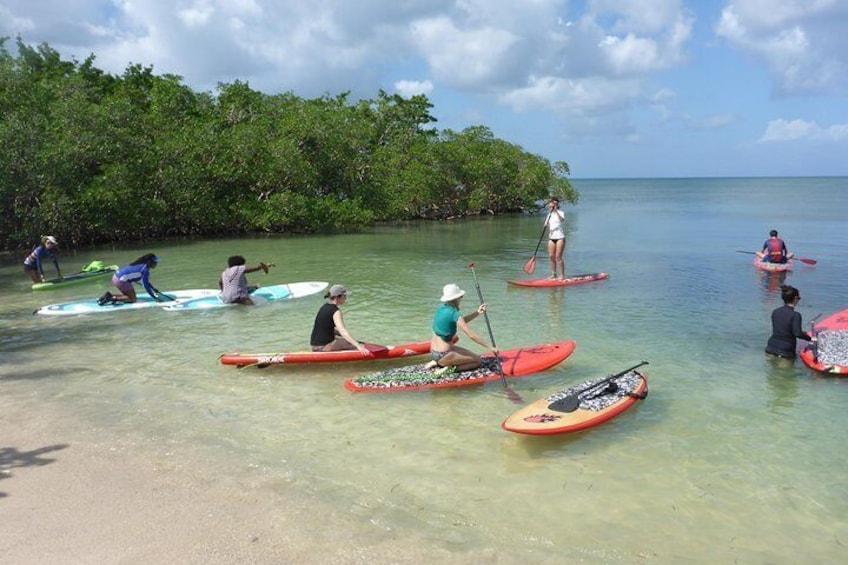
(571, 402)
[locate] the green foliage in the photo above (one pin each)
(93, 157)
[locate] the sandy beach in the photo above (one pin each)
(67, 496)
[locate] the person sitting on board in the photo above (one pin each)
(774, 250)
(329, 332)
(447, 357)
(556, 239)
(786, 325)
(33, 262)
(136, 272)
(233, 282)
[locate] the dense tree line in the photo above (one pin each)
(92, 157)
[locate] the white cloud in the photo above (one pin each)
(803, 43)
(410, 88)
(596, 63)
(793, 130)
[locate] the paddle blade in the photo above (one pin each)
(568, 404)
(807, 261)
(530, 266)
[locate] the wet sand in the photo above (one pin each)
(72, 494)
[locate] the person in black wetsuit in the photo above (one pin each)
(786, 325)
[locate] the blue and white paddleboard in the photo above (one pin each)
(90, 305)
(262, 295)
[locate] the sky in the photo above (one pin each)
(615, 88)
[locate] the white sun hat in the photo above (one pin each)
(451, 292)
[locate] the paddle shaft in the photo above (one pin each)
(486, 317)
(544, 227)
(802, 259)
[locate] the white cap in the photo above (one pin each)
(51, 239)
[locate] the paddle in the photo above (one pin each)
(530, 266)
(162, 294)
(802, 259)
(512, 394)
(571, 402)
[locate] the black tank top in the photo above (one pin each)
(323, 331)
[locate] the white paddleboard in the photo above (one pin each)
(262, 295)
(90, 306)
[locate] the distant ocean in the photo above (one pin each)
(732, 457)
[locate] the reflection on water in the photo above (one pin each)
(727, 447)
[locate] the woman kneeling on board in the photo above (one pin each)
(329, 332)
(786, 325)
(448, 357)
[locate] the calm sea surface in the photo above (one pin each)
(732, 457)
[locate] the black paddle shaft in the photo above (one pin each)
(571, 402)
(486, 317)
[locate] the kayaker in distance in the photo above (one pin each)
(136, 272)
(774, 250)
(233, 282)
(329, 332)
(786, 325)
(33, 264)
(556, 239)
(447, 357)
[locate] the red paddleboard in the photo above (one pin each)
(773, 267)
(296, 357)
(828, 355)
(594, 402)
(568, 281)
(515, 363)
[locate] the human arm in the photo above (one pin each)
(797, 330)
(339, 326)
(145, 282)
(260, 267)
(56, 264)
(462, 324)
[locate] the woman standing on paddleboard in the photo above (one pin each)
(329, 332)
(786, 325)
(556, 239)
(447, 357)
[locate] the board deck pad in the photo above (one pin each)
(568, 281)
(600, 400)
(515, 363)
(830, 352)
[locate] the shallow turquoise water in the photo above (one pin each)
(731, 457)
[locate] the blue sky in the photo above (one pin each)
(616, 88)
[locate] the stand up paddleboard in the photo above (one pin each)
(580, 407)
(92, 271)
(90, 306)
(773, 267)
(262, 295)
(830, 352)
(568, 281)
(515, 363)
(378, 353)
